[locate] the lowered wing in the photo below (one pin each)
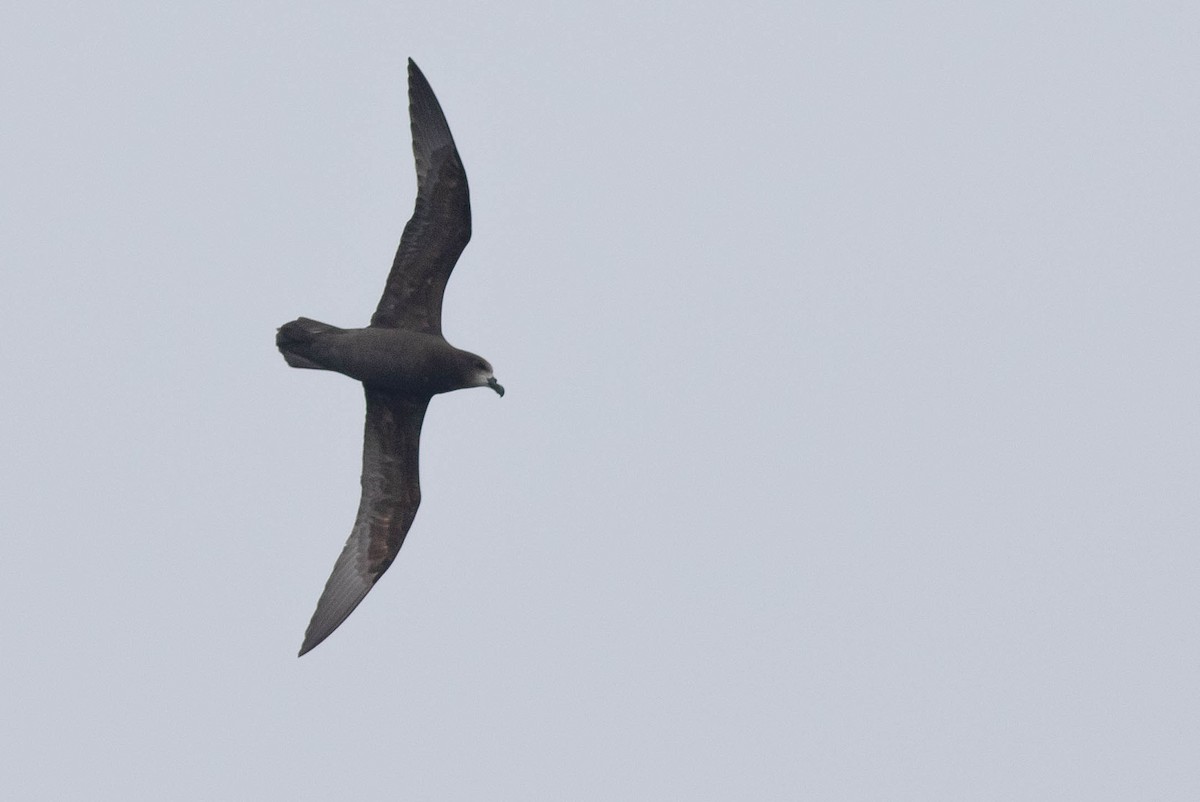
(391, 492)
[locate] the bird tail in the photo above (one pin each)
(295, 341)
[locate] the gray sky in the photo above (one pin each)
(851, 443)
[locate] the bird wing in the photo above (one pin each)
(440, 226)
(391, 492)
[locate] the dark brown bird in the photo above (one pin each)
(401, 359)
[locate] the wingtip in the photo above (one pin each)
(313, 639)
(311, 642)
(308, 645)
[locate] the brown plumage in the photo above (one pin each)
(401, 359)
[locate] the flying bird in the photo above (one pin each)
(402, 360)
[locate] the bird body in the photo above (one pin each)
(402, 360)
(388, 359)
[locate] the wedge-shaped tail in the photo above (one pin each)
(296, 339)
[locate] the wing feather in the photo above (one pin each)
(391, 493)
(440, 226)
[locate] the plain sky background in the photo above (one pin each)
(851, 448)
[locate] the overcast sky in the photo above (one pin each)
(851, 448)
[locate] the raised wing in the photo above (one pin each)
(441, 222)
(391, 492)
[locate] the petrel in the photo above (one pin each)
(401, 359)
